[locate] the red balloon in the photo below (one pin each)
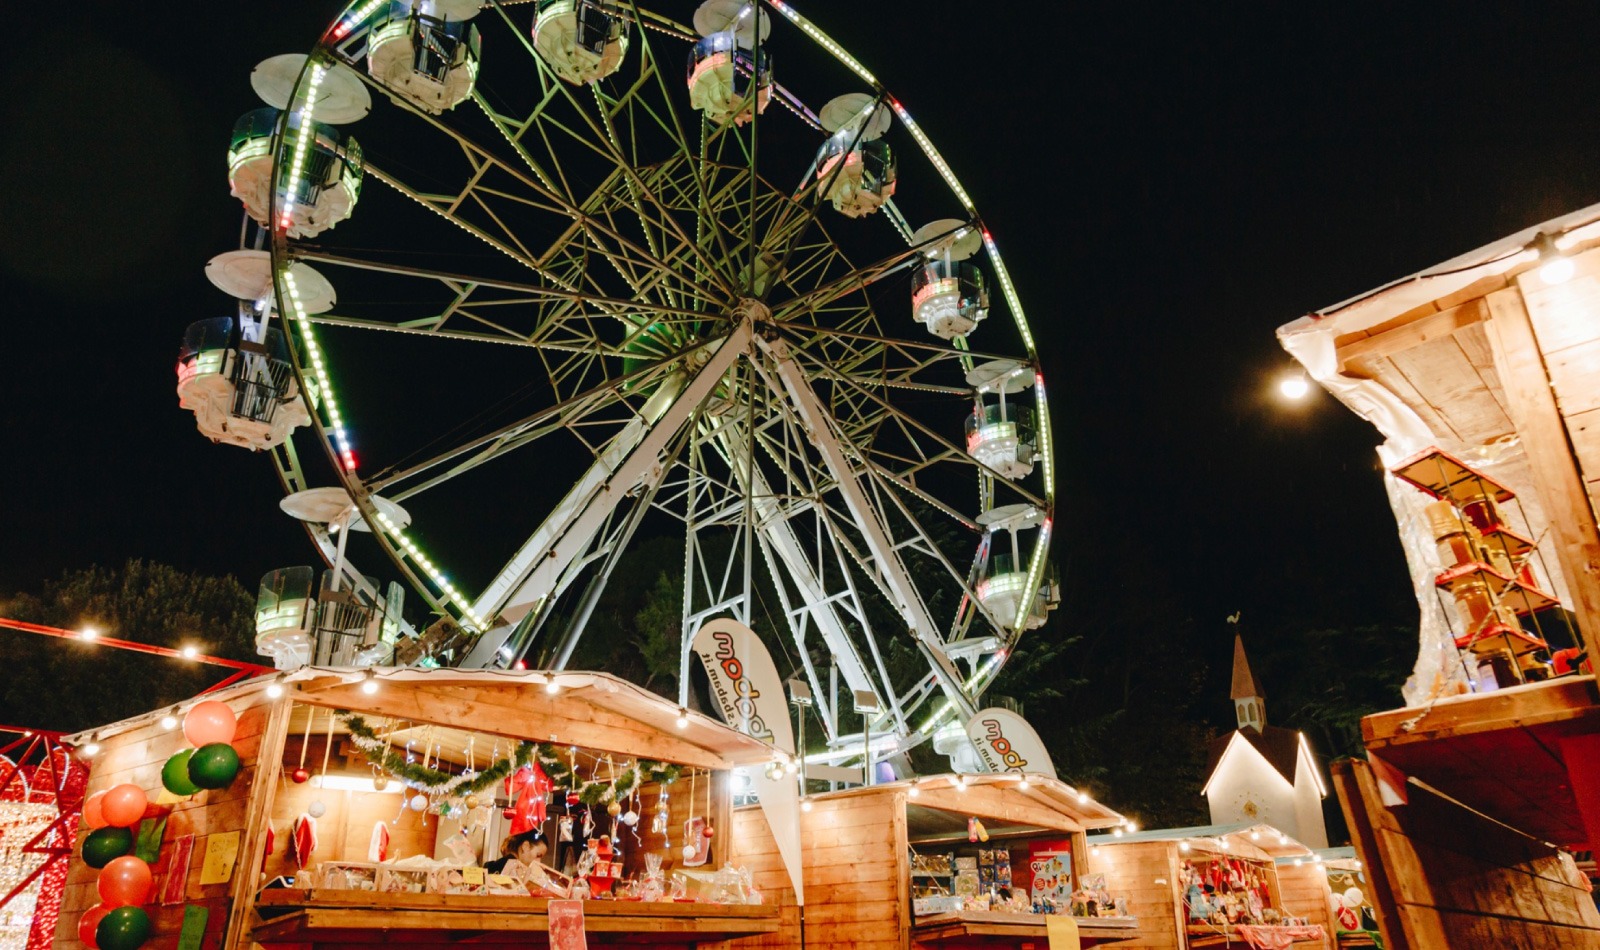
(92, 815)
(124, 805)
(124, 882)
(89, 921)
(208, 722)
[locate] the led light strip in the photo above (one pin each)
(305, 134)
(355, 19)
(824, 40)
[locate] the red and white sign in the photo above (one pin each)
(1006, 743)
(749, 694)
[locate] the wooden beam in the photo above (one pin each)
(1568, 699)
(999, 804)
(266, 775)
(1352, 782)
(1565, 501)
(1434, 326)
(522, 714)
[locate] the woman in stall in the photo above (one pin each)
(522, 857)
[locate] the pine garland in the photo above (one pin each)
(559, 769)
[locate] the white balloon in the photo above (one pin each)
(1353, 897)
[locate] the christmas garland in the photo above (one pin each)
(549, 758)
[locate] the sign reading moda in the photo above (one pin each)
(749, 694)
(1006, 743)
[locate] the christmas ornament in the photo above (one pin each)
(509, 814)
(209, 722)
(124, 882)
(213, 766)
(124, 805)
(471, 801)
(316, 809)
(122, 928)
(688, 853)
(614, 809)
(380, 782)
(300, 776)
(572, 799)
(103, 844)
(175, 774)
(419, 802)
(707, 831)
(630, 818)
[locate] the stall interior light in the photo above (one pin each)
(1183, 846)
(1023, 783)
(805, 804)
(169, 722)
(551, 686)
(1083, 798)
(913, 791)
(369, 683)
(93, 745)
(190, 651)
(683, 718)
(275, 688)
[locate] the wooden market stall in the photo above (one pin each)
(1188, 886)
(314, 843)
(891, 867)
(1481, 374)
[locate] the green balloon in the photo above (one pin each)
(175, 774)
(103, 844)
(124, 928)
(213, 766)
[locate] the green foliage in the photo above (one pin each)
(658, 629)
(68, 685)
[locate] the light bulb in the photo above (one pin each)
(551, 686)
(683, 718)
(169, 722)
(89, 633)
(1557, 270)
(93, 748)
(1294, 387)
(913, 792)
(805, 804)
(1024, 784)
(370, 684)
(1183, 846)
(1083, 798)
(190, 651)
(274, 690)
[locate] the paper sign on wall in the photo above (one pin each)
(177, 879)
(221, 852)
(194, 926)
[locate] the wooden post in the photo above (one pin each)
(1551, 462)
(263, 789)
(1349, 779)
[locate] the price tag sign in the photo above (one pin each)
(472, 875)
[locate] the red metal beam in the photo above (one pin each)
(249, 669)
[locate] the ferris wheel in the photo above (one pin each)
(679, 269)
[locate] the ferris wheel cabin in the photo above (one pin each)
(323, 196)
(334, 623)
(1004, 586)
(730, 72)
(582, 41)
(948, 293)
(236, 380)
(426, 52)
(1000, 434)
(855, 167)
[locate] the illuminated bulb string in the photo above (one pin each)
(305, 134)
(355, 19)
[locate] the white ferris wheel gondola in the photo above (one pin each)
(730, 70)
(948, 294)
(582, 41)
(1005, 588)
(855, 166)
(1000, 434)
(426, 52)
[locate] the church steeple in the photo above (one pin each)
(1249, 700)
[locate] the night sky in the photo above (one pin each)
(1169, 184)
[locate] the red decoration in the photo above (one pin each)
(300, 776)
(124, 805)
(92, 815)
(509, 814)
(89, 921)
(529, 788)
(573, 799)
(707, 832)
(124, 882)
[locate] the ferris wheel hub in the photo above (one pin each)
(751, 309)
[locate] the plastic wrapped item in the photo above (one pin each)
(653, 886)
(345, 876)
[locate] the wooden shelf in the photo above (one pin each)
(293, 916)
(1439, 473)
(1475, 571)
(1516, 546)
(1527, 600)
(1518, 641)
(997, 928)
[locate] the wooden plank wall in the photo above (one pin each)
(1453, 878)
(137, 757)
(856, 873)
(1145, 873)
(1305, 893)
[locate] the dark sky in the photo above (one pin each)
(1169, 184)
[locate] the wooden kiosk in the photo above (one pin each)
(452, 720)
(1147, 867)
(1481, 373)
(867, 851)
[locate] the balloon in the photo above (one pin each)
(175, 774)
(92, 815)
(124, 805)
(214, 765)
(209, 722)
(124, 928)
(124, 882)
(103, 844)
(88, 922)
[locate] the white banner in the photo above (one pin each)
(749, 693)
(1006, 743)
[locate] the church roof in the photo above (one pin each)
(1244, 681)
(1279, 746)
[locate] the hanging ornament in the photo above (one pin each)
(380, 781)
(688, 853)
(564, 828)
(630, 818)
(573, 799)
(614, 809)
(316, 809)
(299, 776)
(659, 821)
(419, 802)
(509, 814)
(471, 802)
(707, 831)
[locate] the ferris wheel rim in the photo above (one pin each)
(355, 483)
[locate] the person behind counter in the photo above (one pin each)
(527, 848)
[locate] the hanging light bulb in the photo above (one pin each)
(913, 791)
(683, 718)
(369, 684)
(1024, 784)
(169, 722)
(805, 804)
(1293, 387)
(1554, 266)
(275, 688)
(93, 746)
(551, 686)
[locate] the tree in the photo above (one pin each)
(658, 626)
(70, 685)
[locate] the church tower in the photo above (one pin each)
(1249, 702)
